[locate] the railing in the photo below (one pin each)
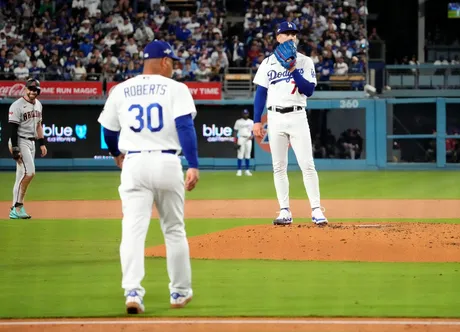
(237, 81)
(434, 52)
(424, 76)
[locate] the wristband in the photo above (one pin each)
(41, 141)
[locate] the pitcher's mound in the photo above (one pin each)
(376, 242)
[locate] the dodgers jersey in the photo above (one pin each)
(244, 127)
(27, 116)
(280, 82)
(144, 109)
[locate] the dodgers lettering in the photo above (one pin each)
(145, 89)
(286, 75)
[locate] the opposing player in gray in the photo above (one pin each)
(25, 120)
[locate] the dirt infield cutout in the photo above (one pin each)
(412, 242)
(382, 242)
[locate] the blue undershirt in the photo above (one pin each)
(187, 139)
(305, 87)
(259, 103)
(185, 131)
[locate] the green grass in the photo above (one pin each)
(225, 185)
(70, 268)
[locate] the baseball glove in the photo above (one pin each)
(286, 54)
(236, 146)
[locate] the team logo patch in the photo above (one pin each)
(80, 131)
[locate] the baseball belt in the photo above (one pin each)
(28, 138)
(285, 109)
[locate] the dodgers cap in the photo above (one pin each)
(158, 49)
(286, 26)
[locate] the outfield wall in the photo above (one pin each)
(418, 126)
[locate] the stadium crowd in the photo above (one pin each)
(95, 39)
(333, 35)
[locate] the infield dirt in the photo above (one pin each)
(376, 241)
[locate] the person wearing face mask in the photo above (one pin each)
(284, 81)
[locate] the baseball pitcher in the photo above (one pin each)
(243, 142)
(25, 121)
(153, 117)
(284, 81)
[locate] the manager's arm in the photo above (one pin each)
(189, 144)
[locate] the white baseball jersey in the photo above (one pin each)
(27, 116)
(280, 83)
(143, 109)
(244, 127)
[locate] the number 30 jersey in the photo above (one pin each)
(144, 109)
(282, 90)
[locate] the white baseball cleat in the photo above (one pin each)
(318, 217)
(134, 303)
(284, 218)
(239, 173)
(248, 173)
(180, 300)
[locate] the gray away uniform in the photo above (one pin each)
(27, 116)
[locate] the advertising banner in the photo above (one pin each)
(76, 133)
(53, 89)
(199, 90)
(214, 129)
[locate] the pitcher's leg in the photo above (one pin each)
(301, 144)
(137, 211)
(170, 205)
(279, 144)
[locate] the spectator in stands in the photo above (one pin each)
(340, 67)
(54, 72)
(35, 70)
(374, 35)
(203, 73)
(236, 52)
(319, 151)
(21, 72)
(330, 144)
(8, 71)
(188, 71)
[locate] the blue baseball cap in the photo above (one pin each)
(158, 49)
(286, 26)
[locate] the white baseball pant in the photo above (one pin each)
(148, 178)
(244, 152)
(292, 128)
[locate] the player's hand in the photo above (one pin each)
(119, 160)
(191, 178)
(17, 155)
(258, 130)
(44, 150)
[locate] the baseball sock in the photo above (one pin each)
(240, 163)
(247, 164)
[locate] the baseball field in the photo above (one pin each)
(389, 260)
